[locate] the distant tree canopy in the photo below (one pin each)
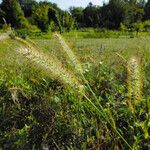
(112, 14)
(147, 10)
(77, 13)
(12, 12)
(26, 6)
(91, 15)
(48, 16)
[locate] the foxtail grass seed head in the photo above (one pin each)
(51, 65)
(69, 53)
(134, 81)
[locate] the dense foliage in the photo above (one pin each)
(49, 17)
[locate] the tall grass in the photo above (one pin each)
(54, 67)
(107, 116)
(114, 126)
(51, 65)
(73, 59)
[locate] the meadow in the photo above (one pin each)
(75, 92)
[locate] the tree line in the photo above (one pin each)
(46, 16)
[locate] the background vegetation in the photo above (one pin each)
(131, 15)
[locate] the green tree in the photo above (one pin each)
(68, 22)
(40, 16)
(54, 18)
(13, 12)
(112, 14)
(134, 12)
(26, 6)
(77, 13)
(2, 15)
(46, 13)
(91, 16)
(147, 10)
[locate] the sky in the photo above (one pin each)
(65, 4)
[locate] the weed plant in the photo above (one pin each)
(41, 110)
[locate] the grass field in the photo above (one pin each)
(92, 95)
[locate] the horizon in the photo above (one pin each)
(65, 5)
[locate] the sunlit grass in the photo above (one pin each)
(97, 117)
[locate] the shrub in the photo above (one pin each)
(123, 27)
(23, 33)
(6, 27)
(137, 27)
(146, 25)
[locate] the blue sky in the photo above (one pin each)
(65, 4)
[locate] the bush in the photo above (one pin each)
(24, 22)
(23, 33)
(146, 25)
(33, 32)
(123, 27)
(6, 27)
(137, 27)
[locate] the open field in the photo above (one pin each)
(93, 95)
(75, 76)
(96, 49)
